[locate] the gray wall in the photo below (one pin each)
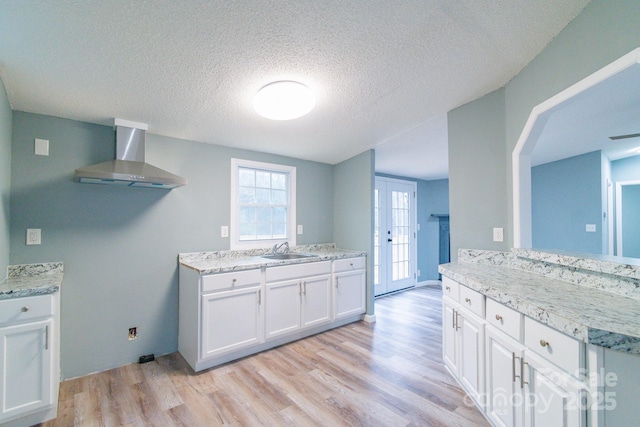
(565, 196)
(477, 170)
(354, 186)
(433, 198)
(120, 245)
(604, 31)
(5, 178)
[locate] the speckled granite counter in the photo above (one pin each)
(594, 300)
(27, 280)
(224, 261)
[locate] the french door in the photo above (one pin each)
(394, 235)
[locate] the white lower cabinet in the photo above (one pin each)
(301, 301)
(29, 359)
(519, 372)
(349, 287)
(229, 315)
(231, 320)
(463, 347)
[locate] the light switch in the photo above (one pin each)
(224, 231)
(42, 147)
(300, 229)
(591, 228)
(498, 234)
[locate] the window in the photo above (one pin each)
(262, 204)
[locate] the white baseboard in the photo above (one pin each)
(429, 283)
(369, 318)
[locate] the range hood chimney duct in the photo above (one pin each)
(129, 168)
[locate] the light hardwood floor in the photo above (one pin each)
(389, 373)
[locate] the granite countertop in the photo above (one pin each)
(592, 315)
(27, 280)
(225, 261)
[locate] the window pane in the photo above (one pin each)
(278, 197)
(247, 231)
(247, 214)
(279, 230)
(246, 195)
(263, 196)
(263, 179)
(247, 177)
(263, 215)
(280, 215)
(279, 181)
(263, 231)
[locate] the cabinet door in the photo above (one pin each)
(26, 357)
(552, 396)
(450, 335)
(231, 320)
(316, 300)
(471, 369)
(283, 307)
(349, 293)
(503, 390)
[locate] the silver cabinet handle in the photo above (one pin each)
(457, 324)
(467, 300)
(448, 288)
(522, 381)
(513, 367)
(305, 288)
(337, 282)
(259, 296)
(46, 337)
(24, 309)
(544, 343)
(498, 317)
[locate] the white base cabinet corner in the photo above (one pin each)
(349, 293)
(29, 359)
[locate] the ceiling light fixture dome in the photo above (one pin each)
(284, 100)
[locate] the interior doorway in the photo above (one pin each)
(395, 247)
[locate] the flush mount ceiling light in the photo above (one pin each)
(284, 100)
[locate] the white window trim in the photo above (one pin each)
(234, 232)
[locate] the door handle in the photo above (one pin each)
(389, 240)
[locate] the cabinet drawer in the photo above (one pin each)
(308, 269)
(472, 300)
(504, 318)
(450, 288)
(20, 309)
(349, 264)
(237, 279)
(560, 349)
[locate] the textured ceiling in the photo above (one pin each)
(384, 72)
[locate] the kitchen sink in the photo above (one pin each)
(288, 256)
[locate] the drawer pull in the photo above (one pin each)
(233, 281)
(351, 264)
(498, 317)
(24, 309)
(467, 300)
(448, 288)
(544, 343)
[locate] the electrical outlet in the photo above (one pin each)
(591, 228)
(33, 236)
(300, 229)
(224, 231)
(498, 234)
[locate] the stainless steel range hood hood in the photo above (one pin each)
(129, 167)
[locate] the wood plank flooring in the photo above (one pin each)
(389, 373)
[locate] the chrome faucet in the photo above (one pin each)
(277, 247)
